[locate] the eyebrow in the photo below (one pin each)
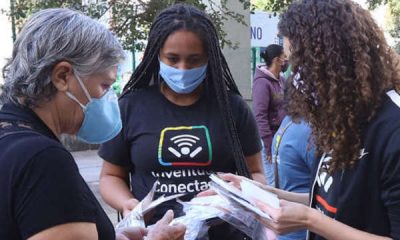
(177, 55)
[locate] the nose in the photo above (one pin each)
(183, 65)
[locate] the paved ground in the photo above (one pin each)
(89, 166)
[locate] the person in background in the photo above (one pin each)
(268, 108)
(348, 89)
(293, 151)
(183, 119)
(57, 81)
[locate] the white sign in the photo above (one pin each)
(263, 29)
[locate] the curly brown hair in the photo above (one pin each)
(345, 67)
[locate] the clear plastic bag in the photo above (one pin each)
(201, 209)
(197, 212)
(200, 212)
(246, 222)
(136, 217)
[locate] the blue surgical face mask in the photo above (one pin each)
(102, 120)
(183, 80)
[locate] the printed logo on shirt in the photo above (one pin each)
(324, 179)
(189, 180)
(185, 146)
(325, 199)
(329, 186)
(363, 153)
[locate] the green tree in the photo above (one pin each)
(394, 23)
(275, 6)
(130, 19)
(392, 19)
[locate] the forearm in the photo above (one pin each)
(318, 223)
(254, 164)
(114, 191)
(302, 198)
(259, 177)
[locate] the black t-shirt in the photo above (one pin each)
(40, 184)
(178, 145)
(366, 197)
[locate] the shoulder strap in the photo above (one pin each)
(275, 157)
(8, 128)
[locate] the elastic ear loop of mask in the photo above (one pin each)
(84, 90)
(76, 100)
(83, 87)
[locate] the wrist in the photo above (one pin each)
(268, 188)
(128, 203)
(312, 218)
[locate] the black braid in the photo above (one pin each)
(181, 16)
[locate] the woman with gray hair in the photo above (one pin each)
(59, 81)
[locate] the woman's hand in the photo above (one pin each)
(160, 231)
(130, 233)
(233, 180)
(163, 231)
(289, 217)
(128, 206)
(236, 179)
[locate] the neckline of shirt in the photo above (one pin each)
(167, 101)
(394, 96)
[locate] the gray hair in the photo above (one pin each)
(51, 36)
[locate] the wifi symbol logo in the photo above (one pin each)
(183, 145)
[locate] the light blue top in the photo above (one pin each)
(295, 158)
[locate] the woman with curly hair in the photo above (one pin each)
(348, 89)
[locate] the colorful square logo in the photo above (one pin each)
(185, 146)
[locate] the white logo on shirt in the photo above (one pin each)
(184, 143)
(324, 179)
(363, 153)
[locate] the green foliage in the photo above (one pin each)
(275, 6)
(117, 85)
(392, 20)
(130, 20)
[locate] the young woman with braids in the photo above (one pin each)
(183, 118)
(348, 89)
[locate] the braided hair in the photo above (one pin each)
(219, 78)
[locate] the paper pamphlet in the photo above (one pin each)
(251, 191)
(136, 217)
(245, 197)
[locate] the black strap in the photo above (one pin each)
(8, 128)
